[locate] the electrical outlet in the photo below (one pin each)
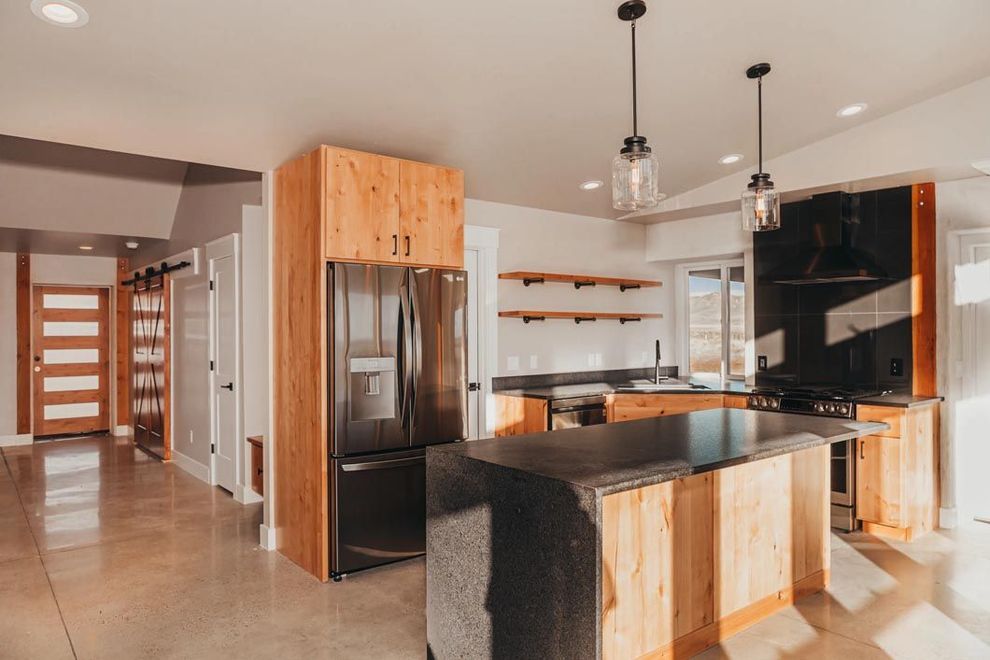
(761, 362)
(512, 363)
(533, 362)
(591, 359)
(598, 359)
(896, 366)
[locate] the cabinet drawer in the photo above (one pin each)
(892, 416)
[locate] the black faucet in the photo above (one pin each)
(657, 375)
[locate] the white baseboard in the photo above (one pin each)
(948, 518)
(122, 431)
(193, 467)
(245, 495)
(267, 537)
(16, 440)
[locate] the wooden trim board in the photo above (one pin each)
(122, 346)
(23, 306)
(923, 289)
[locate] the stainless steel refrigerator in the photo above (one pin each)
(398, 347)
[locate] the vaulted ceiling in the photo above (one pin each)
(530, 98)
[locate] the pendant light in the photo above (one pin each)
(636, 170)
(760, 201)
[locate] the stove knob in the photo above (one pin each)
(831, 408)
(819, 407)
(775, 403)
(844, 409)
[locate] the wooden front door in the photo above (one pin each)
(71, 352)
(150, 365)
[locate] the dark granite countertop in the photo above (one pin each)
(609, 458)
(900, 400)
(693, 386)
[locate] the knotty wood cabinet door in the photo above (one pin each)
(431, 208)
(626, 407)
(362, 207)
(880, 480)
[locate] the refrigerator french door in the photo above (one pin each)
(399, 368)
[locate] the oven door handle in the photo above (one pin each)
(571, 409)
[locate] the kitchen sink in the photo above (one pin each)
(662, 387)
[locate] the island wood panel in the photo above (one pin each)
(23, 365)
(300, 378)
(625, 407)
(122, 345)
(431, 208)
(923, 289)
(516, 415)
(690, 562)
(734, 401)
(598, 280)
(362, 206)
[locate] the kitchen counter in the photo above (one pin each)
(612, 457)
(619, 540)
(693, 386)
(900, 401)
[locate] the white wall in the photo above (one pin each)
(697, 238)
(8, 343)
(546, 241)
(190, 371)
(961, 205)
(77, 270)
(254, 337)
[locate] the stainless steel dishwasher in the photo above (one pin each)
(576, 411)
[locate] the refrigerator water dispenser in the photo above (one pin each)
(373, 381)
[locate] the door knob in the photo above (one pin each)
(37, 358)
(228, 386)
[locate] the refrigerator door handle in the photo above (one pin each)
(405, 346)
(382, 465)
(417, 339)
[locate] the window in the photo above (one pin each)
(715, 319)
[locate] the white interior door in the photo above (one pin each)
(973, 411)
(224, 377)
(474, 346)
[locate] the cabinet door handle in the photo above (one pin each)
(395, 245)
(407, 245)
(862, 444)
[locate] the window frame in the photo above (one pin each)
(684, 312)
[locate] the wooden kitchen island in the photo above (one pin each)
(656, 537)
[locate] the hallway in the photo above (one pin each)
(106, 552)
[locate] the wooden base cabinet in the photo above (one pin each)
(895, 472)
(624, 407)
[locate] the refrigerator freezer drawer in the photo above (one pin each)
(378, 509)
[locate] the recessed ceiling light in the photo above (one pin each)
(63, 13)
(591, 185)
(131, 245)
(851, 110)
(85, 247)
(729, 159)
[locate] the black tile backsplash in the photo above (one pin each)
(837, 333)
(502, 383)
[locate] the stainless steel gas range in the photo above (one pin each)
(824, 402)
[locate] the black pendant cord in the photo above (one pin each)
(635, 116)
(759, 105)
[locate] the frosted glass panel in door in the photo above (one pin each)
(71, 328)
(69, 410)
(71, 301)
(71, 383)
(71, 355)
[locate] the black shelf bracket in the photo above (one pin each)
(629, 319)
(579, 319)
(625, 287)
(579, 284)
(534, 280)
(527, 319)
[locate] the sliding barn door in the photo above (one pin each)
(71, 367)
(150, 367)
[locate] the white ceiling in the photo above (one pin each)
(530, 98)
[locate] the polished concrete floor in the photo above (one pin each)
(106, 553)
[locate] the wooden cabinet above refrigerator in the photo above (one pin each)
(386, 210)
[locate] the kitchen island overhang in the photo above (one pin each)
(629, 539)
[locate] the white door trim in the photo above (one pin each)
(484, 241)
(226, 246)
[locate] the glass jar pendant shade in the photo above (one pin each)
(636, 169)
(760, 201)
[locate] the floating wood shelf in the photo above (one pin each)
(578, 281)
(578, 317)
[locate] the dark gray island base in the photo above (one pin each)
(620, 540)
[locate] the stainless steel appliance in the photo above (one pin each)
(825, 402)
(398, 350)
(577, 411)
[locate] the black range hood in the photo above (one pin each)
(833, 256)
